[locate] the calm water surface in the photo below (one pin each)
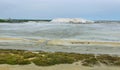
(99, 32)
(50, 31)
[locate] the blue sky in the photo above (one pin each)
(49, 9)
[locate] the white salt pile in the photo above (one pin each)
(71, 20)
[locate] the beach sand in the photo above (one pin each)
(74, 66)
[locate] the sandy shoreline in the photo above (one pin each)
(56, 45)
(75, 66)
(63, 42)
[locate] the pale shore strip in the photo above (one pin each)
(63, 42)
(79, 42)
(10, 39)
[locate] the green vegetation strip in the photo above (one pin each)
(21, 20)
(20, 57)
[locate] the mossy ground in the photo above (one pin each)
(20, 57)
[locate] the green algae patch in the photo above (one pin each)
(90, 62)
(39, 58)
(13, 59)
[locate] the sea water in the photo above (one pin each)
(100, 32)
(60, 31)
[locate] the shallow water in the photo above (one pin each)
(28, 35)
(97, 32)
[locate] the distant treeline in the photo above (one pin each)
(21, 20)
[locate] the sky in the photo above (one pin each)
(50, 9)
